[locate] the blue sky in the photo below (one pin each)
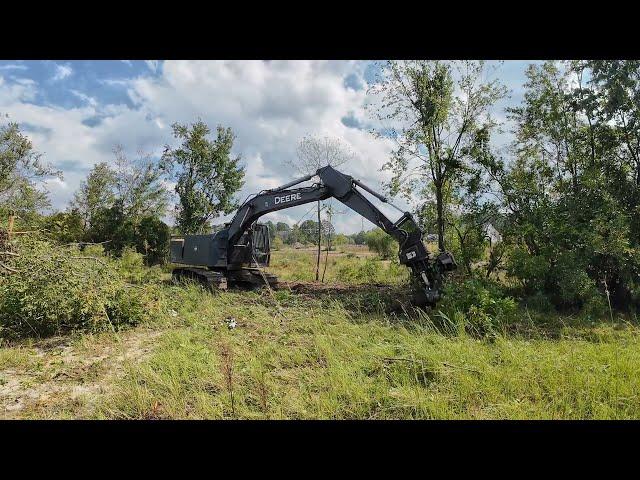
(75, 112)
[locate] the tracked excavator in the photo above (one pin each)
(237, 254)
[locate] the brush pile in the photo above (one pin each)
(47, 289)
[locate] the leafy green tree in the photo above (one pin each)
(20, 168)
(207, 176)
(152, 240)
(148, 235)
(381, 243)
(65, 227)
(282, 227)
(139, 187)
(437, 108)
(96, 192)
(568, 227)
(359, 238)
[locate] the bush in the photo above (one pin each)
(277, 244)
(480, 302)
(371, 271)
(131, 266)
(52, 289)
(381, 243)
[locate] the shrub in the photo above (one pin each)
(481, 302)
(52, 289)
(131, 266)
(381, 243)
(277, 244)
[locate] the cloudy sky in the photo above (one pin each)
(75, 112)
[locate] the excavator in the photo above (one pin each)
(237, 254)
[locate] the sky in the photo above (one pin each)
(76, 112)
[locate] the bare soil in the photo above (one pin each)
(63, 376)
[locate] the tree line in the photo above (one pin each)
(122, 203)
(564, 194)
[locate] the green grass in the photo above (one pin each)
(317, 359)
(332, 355)
(345, 264)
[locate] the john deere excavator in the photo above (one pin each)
(237, 254)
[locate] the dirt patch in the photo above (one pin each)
(370, 296)
(333, 287)
(63, 376)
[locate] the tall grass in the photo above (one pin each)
(320, 359)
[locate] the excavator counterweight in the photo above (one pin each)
(237, 253)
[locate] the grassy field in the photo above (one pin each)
(324, 354)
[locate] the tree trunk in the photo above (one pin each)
(440, 216)
(319, 240)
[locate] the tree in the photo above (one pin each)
(122, 206)
(568, 190)
(207, 176)
(282, 227)
(20, 168)
(152, 239)
(138, 186)
(95, 192)
(359, 238)
(308, 231)
(65, 227)
(314, 153)
(148, 234)
(380, 242)
(437, 108)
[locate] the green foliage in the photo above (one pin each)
(64, 227)
(440, 107)
(359, 238)
(572, 192)
(20, 166)
(381, 243)
(52, 289)
(206, 176)
(131, 267)
(150, 236)
(277, 243)
(480, 303)
(95, 193)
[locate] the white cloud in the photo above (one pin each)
(85, 98)
(12, 66)
(62, 72)
(269, 105)
(152, 64)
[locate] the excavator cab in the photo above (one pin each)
(253, 248)
(261, 244)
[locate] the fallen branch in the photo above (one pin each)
(9, 269)
(85, 243)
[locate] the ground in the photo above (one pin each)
(325, 351)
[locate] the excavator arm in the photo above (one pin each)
(427, 273)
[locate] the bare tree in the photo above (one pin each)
(314, 153)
